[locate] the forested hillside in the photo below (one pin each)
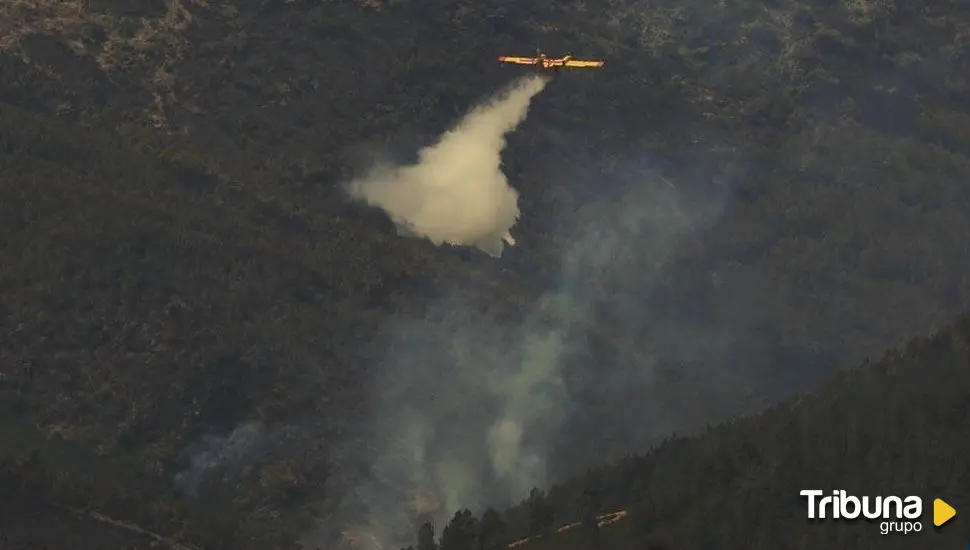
(892, 427)
(203, 337)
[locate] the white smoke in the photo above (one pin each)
(463, 415)
(466, 411)
(456, 193)
(212, 452)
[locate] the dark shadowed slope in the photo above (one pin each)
(893, 427)
(745, 200)
(145, 303)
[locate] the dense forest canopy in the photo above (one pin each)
(886, 428)
(205, 338)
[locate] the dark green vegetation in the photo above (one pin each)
(175, 258)
(893, 427)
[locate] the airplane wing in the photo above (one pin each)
(579, 63)
(519, 60)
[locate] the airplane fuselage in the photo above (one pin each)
(542, 62)
(551, 63)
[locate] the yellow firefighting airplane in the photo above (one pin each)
(543, 62)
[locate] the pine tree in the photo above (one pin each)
(461, 533)
(589, 509)
(492, 530)
(541, 513)
(426, 540)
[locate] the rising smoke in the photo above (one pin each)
(467, 412)
(456, 193)
(213, 452)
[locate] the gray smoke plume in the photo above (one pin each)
(230, 452)
(469, 412)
